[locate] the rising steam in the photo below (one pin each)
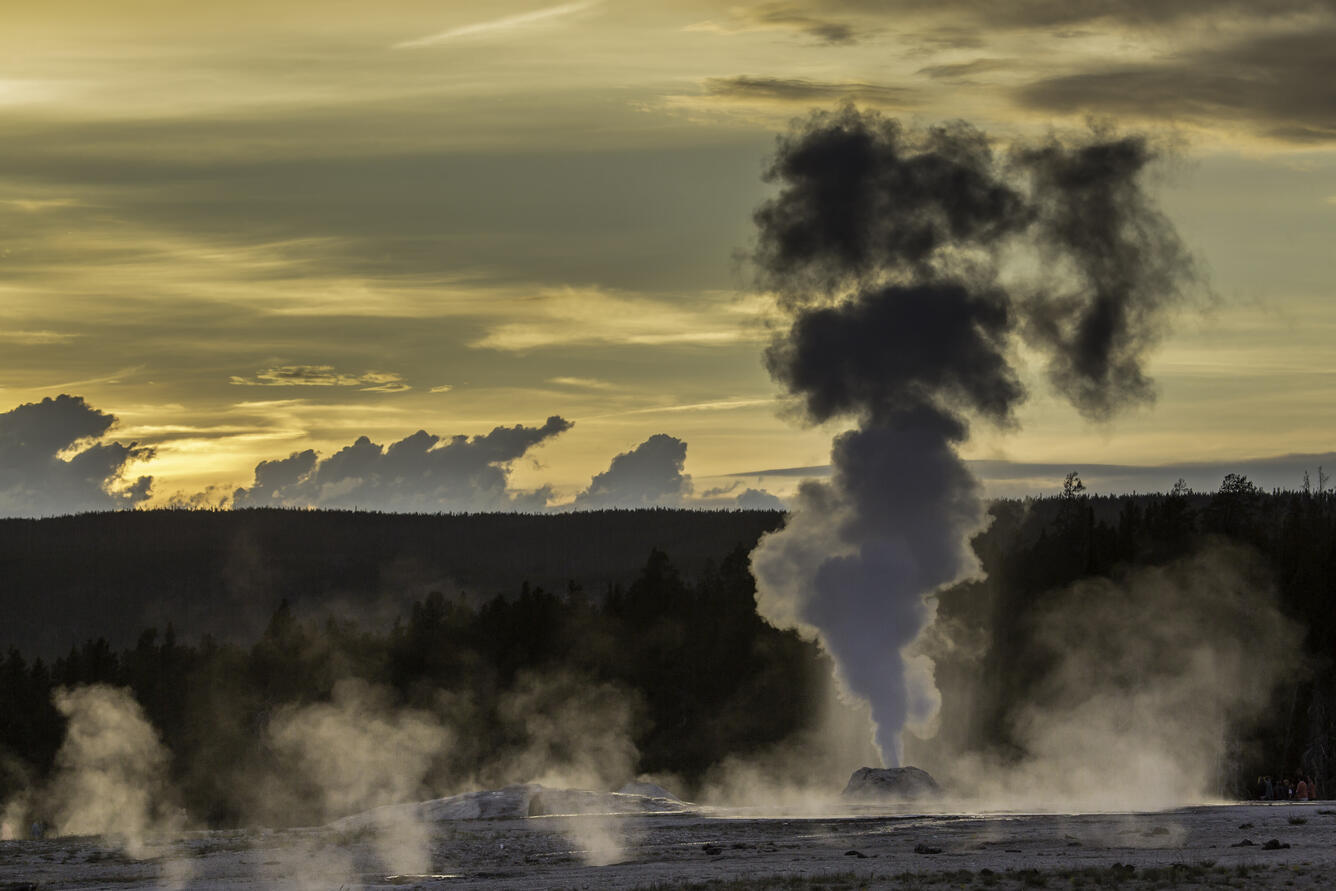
(111, 771)
(886, 247)
(356, 753)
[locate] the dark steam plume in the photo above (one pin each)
(885, 247)
(1127, 265)
(862, 199)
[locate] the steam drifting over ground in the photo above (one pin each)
(895, 254)
(1145, 678)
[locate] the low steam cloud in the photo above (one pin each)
(571, 732)
(887, 247)
(111, 771)
(1147, 675)
(356, 753)
(52, 462)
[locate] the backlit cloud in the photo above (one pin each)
(649, 474)
(567, 316)
(53, 460)
(419, 473)
(323, 376)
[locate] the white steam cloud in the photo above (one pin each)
(359, 753)
(1151, 675)
(111, 770)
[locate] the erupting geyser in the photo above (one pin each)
(886, 249)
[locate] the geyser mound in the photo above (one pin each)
(520, 801)
(891, 784)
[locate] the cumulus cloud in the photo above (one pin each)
(650, 474)
(323, 376)
(758, 499)
(51, 461)
(421, 472)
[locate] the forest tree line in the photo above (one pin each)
(704, 676)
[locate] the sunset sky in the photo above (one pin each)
(255, 228)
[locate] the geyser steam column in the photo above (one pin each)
(884, 247)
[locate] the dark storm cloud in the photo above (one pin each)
(419, 473)
(809, 92)
(1278, 85)
(650, 474)
(51, 463)
(1060, 13)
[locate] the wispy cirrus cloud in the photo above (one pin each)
(782, 17)
(582, 383)
(712, 405)
(1275, 84)
(323, 376)
(505, 23)
(801, 91)
(36, 337)
(561, 317)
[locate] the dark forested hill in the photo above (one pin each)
(67, 579)
(1202, 625)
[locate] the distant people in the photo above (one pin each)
(1268, 789)
(1301, 790)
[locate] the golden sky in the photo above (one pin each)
(251, 229)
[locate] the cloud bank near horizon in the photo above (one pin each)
(53, 462)
(55, 459)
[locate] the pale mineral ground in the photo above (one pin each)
(525, 837)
